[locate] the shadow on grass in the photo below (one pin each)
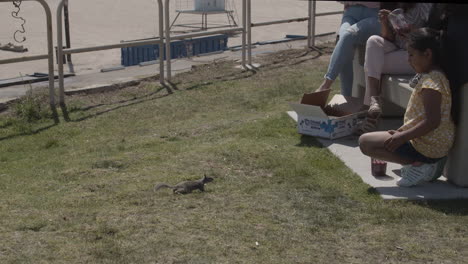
(449, 207)
(33, 132)
(126, 103)
(225, 78)
(279, 65)
(309, 142)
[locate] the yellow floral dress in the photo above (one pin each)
(436, 143)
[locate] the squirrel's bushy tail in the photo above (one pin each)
(162, 185)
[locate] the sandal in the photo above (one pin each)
(373, 114)
(375, 108)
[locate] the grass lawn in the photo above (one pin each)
(82, 191)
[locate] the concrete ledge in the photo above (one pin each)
(396, 89)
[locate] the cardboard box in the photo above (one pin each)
(339, 118)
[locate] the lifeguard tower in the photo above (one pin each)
(205, 8)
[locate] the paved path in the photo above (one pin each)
(347, 150)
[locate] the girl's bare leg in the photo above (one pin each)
(372, 145)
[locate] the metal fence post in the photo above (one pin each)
(311, 26)
(249, 31)
(168, 41)
(60, 58)
(244, 28)
(161, 42)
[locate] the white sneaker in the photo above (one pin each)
(440, 165)
(413, 175)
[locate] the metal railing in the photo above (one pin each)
(199, 34)
(164, 39)
(61, 51)
(49, 56)
(311, 18)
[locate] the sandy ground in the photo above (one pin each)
(111, 21)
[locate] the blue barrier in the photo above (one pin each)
(179, 49)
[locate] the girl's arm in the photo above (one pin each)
(432, 101)
(387, 31)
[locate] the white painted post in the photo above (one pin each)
(168, 41)
(311, 26)
(249, 31)
(161, 42)
(60, 53)
(244, 28)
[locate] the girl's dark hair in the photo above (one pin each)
(427, 38)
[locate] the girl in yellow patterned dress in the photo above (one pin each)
(428, 131)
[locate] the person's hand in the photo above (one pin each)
(396, 140)
(383, 15)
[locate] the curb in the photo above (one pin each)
(4, 103)
(111, 87)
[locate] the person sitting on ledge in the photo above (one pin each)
(428, 131)
(359, 22)
(387, 54)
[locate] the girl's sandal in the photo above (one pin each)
(375, 108)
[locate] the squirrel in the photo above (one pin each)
(186, 186)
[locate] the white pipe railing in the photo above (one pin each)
(199, 34)
(61, 51)
(269, 23)
(312, 14)
(111, 46)
(24, 59)
(246, 31)
(49, 56)
(166, 38)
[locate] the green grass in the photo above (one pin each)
(82, 191)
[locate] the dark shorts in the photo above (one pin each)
(408, 151)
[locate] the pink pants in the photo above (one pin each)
(383, 57)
